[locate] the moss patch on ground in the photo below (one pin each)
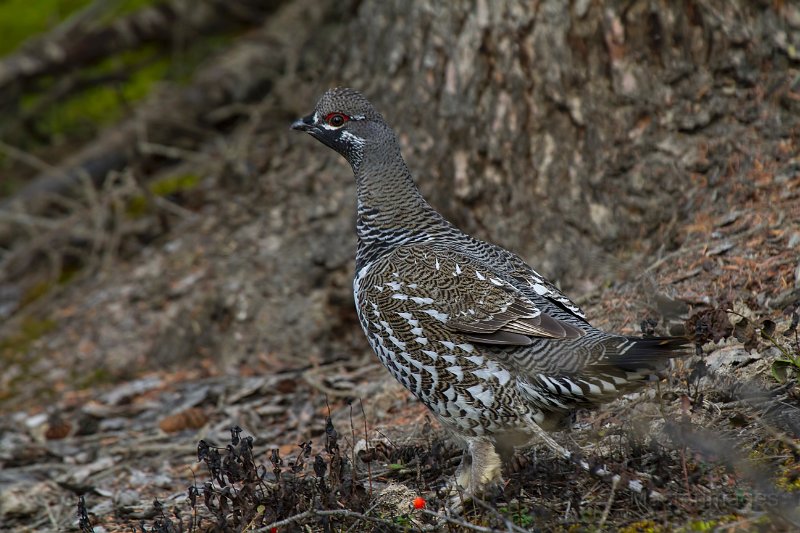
(15, 352)
(139, 205)
(111, 87)
(22, 19)
(134, 74)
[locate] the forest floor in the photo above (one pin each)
(339, 444)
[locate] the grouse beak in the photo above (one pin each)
(304, 124)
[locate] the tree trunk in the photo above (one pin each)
(563, 130)
(566, 132)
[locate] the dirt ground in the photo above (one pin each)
(714, 446)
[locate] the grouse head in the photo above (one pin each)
(345, 121)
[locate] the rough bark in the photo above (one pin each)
(563, 130)
(567, 132)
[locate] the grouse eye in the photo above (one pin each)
(336, 120)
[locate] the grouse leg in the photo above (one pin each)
(480, 468)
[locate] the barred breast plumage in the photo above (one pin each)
(491, 347)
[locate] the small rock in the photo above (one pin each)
(10, 298)
(113, 424)
(140, 478)
(104, 507)
(79, 475)
(581, 8)
(729, 219)
(127, 498)
(602, 217)
(670, 307)
(730, 356)
(797, 276)
(721, 248)
(394, 500)
(126, 391)
(14, 501)
(36, 420)
(23, 498)
(786, 298)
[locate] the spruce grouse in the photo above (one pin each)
(492, 348)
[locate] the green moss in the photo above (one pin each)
(68, 273)
(129, 6)
(139, 205)
(9, 183)
(98, 376)
(103, 104)
(698, 526)
(22, 19)
(31, 329)
(789, 475)
(174, 184)
(41, 288)
(132, 75)
(98, 105)
(643, 526)
(139, 71)
(702, 525)
(790, 482)
(36, 291)
(17, 358)
(403, 521)
(519, 515)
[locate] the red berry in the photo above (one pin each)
(419, 502)
(273, 530)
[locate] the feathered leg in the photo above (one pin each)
(480, 467)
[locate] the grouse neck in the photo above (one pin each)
(391, 210)
(386, 191)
